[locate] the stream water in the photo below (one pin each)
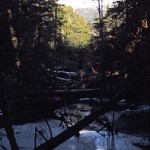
(88, 140)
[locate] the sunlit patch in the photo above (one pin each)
(85, 131)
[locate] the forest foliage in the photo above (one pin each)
(74, 30)
(37, 33)
(122, 48)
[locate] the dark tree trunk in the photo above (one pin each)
(6, 120)
(7, 51)
(7, 125)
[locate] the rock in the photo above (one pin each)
(121, 105)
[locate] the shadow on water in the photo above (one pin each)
(111, 141)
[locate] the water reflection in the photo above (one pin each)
(105, 142)
(112, 145)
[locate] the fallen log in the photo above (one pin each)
(73, 130)
(60, 93)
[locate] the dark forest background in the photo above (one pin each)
(38, 37)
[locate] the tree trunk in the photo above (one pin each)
(5, 116)
(9, 44)
(7, 125)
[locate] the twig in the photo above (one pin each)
(40, 132)
(50, 130)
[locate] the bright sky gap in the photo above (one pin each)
(83, 3)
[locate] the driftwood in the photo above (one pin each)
(71, 131)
